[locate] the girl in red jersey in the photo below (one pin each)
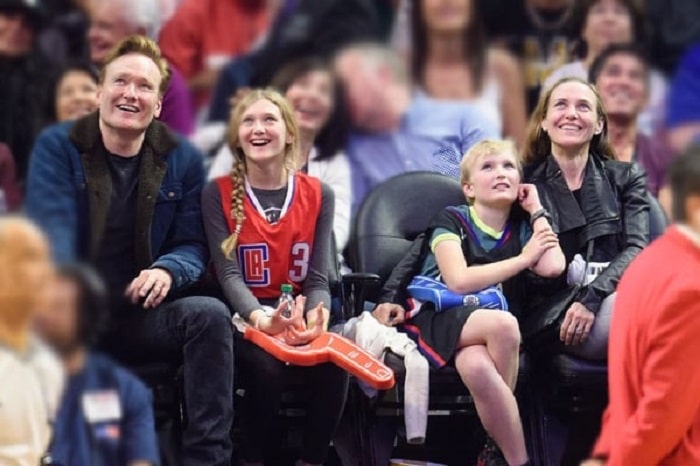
(268, 225)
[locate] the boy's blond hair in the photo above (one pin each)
(486, 147)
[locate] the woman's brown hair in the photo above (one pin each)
(291, 153)
(538, 145)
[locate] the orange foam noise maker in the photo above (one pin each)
(327, 347)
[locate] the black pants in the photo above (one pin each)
(264, 379)
(198, 332)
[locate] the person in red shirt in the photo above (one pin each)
(653, 416)
(203, 35)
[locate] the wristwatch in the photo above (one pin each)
(540, 213)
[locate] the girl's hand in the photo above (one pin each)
(277, 323)
(316, 323)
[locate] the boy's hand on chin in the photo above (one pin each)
(528, 198)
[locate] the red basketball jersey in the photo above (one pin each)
(270, 255)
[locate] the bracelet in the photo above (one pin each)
(538, 214)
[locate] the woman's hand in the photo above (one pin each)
(577, 324)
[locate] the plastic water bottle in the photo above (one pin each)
(286, 297)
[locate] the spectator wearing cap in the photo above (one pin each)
(24, 79)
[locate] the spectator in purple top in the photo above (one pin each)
(621, 74)
(113, 20)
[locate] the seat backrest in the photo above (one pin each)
(393, 214)
(658, 221)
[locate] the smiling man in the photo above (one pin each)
(119, 190)
(622, 76)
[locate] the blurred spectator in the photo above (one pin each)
(203, 35)
(674, 29)
(302, 29)
(683, 117)
(31, 376)
(64, 39)
(10, 193)
(106, 416)
(120, 191)
(653, 417)
(536, 31)
(75, 92)
(309, 86)
(394, 131)
(168, 9)
(450, 60)
(24, 79)
(113, 20)
(600, 23)
(621, 75)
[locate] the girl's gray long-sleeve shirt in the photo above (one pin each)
(228, 273)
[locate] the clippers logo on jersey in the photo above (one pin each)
(252, 259)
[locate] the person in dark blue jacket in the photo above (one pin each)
(118, 190)
(105, 417)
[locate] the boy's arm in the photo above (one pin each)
(462, 278)
(552, 263)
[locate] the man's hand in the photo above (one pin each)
(152, 284)
(389, 314)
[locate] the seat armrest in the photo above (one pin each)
(361, 278)
(355, 286)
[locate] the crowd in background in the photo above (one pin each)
(489, 58)
(376, 88)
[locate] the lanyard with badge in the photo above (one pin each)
(102, 412)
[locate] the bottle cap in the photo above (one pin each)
(286, 288)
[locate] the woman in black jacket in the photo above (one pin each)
(590, 197)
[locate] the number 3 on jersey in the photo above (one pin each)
(300, 262)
